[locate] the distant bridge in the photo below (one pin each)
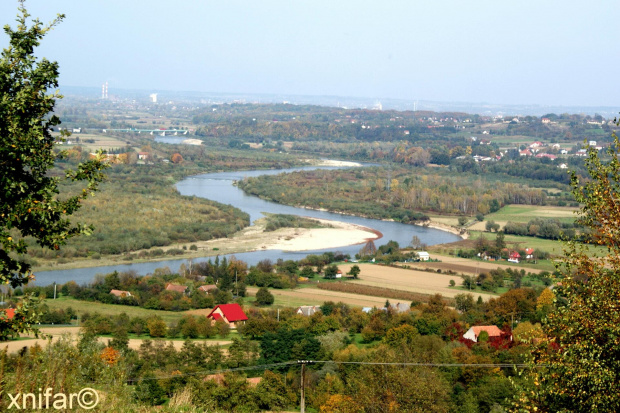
(162, 132)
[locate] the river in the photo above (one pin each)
(219, 187)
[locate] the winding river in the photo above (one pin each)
(219, 187)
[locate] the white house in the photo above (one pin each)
(423, 255)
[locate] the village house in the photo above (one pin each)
(176, 287)
(423, 255)
(546, 155)
(529, 253)
(514, 257)
(474, 332)
(400, 307)
(308, 310)
(207, 288)
(120, 293)
(525, 152)
(231, 313)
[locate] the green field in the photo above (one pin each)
(81, 307)
(525, 213)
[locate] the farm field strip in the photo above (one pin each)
(466, 266)
(408, 280)
(315, 296)
(56, 333)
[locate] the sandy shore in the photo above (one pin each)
(192, 141)
(252, 238)
(332, 162)
(342, 234)
(447, 228)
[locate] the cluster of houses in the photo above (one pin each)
(536, 149)
(513, 256)
(230, 313)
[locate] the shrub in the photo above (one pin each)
(264, 297)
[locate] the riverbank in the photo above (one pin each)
(253, 238)
(333, 162)
(341, 234)
(445, 227)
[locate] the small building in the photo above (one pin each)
(207, 288)
(308, 310)
(400, 307)
(176, 287)
(120, 293)
(423, 255)
(529, 253)
(231, 313)
(474, 332)
(514, 256)
(525, 152)
(339, 274)
(546, 155)
(143, 155)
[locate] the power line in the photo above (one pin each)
(363, 363)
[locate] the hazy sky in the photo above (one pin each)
(523, 52)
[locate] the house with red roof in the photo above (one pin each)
(230, 313)
(547, 155)
(176, 287)
(514, 257)
(529, 253)
(474, 332)
(207, 288)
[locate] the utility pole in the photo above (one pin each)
(302, 403)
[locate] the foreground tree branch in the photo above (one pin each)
(30, 202)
